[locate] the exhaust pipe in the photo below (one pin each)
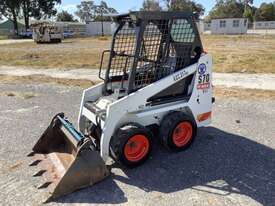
(67, 159)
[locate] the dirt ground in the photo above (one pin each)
(5, 41)
(219, 91)
(37, 79)
(72, 53)
(230, 163)
(247, 54)
(242, 80)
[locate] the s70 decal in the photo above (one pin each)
(204, 77)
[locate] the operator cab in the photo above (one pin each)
(148, 46)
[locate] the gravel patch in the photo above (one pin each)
(231, 162)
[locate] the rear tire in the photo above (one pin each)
(177, 131)
(131, 145)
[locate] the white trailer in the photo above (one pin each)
(47, 33)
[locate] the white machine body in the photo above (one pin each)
(135, 108)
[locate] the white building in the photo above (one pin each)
(95, 28)
(229, 26)
(207, 26)
(264, 25)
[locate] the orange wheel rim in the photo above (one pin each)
(136, 148)
(182, 134)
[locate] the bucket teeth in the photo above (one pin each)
(45, 185)
(39, 173)
(35, 163)
(65, 160)
(31, 154)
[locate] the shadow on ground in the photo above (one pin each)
(218, 162)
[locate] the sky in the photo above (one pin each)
(123, 6)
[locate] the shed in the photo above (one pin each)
(6, 27)
(229, 26)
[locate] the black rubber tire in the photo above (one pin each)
(121, 137)
(167, 127)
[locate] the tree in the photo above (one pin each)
(101, 10)
(151, 5)
(65, 16)
(185, 5)
(248, 13)
(227, 9)
(86, 11)
(249, 10)
(247, 3)
(266, 12)
(10, 9)
(38, 9)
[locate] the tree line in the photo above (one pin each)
(27, 9)
(222, 9)
(242, 8)
(174, 5)
(45, 9)
(87, 10)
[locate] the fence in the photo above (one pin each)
(264, 25)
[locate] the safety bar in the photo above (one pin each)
(101, 63)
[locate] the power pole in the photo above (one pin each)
(102, 23)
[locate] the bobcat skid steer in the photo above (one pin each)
(157, 77)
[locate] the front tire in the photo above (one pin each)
(131, 145)
(177, 131)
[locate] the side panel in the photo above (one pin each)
(200, 102)
(91, 94)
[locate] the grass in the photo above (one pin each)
(247, 54)
(219, 92)
(22, 95)
(3, 37)
(244, 94)
(36, 79)
(73, 53)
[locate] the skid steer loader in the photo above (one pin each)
(158, 76)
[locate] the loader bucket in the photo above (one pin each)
(67, 159)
